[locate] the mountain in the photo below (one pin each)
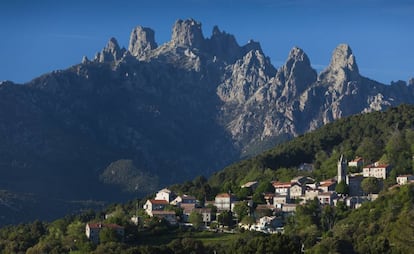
(151, 115)
(380, 135)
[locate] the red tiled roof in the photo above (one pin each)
(327, 184)
(159, 202)
(223, 195)
(357, 159)
(281, 184)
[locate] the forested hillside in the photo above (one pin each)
(383, 226)
(387, 136)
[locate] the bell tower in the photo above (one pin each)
(342, 165)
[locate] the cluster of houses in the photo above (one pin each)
(283, 201)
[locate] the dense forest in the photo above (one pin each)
(381, 226)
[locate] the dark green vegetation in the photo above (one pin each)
(382, 226)
(67, 235)
(387, 136)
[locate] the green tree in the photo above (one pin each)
(369, 150)
(107, 235)
(196, 219)
(225, 218)
(241, 209)
(371, 185)
(342, 188)
(248, 220)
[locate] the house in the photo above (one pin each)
(404, 179)
(327, 198)
(269, 198)
(377, 170)
(165, 194)
(252, 185)
(155, 205)
(169, 216)
(358, 162)
(289, 208)
(282, 188)
(279, 200)
(351, 202)
(187, 209)
(224, 201)
(92, 230)
(270, 222)
(206, 214)
(327, 185)
(263, 210)
(296, 190)
(311, 194)
(184, 199)
(302, 180)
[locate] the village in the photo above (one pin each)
(268, 217)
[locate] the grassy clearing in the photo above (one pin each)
(207, 238)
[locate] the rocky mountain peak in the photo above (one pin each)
(141, 41)
(343, 66)
(252, 45)
(296, 74)
(187, 33)
(112, 46)
(111, 52)
(343, 58)
(223, 45)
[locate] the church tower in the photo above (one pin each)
(342, 165)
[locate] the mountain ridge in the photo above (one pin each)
(187, 107)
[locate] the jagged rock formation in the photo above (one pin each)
(141, 42)
(176, 110)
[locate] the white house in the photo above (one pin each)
(92, 230)
(269, 222)
(377, 170)
(224, 201)
(279, 200)
(154, 205)
(327, 198)
(184, 199)
(404, 179)
(328, 185)
(296, 190)
(311, 194)
(282, 188)
(165, 194)
(358, 162)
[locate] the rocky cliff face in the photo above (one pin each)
(173, 111)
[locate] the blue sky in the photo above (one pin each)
(42, 36)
